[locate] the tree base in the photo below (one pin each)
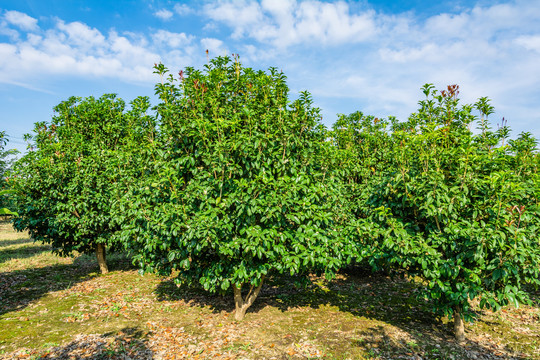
(459, 327)
(100, 254)
(242, 304)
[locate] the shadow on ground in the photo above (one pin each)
(128, 343)
(366, 295)
(18, 288)
(22, 252)
(17, 241)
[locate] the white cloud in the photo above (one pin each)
(489, 51)
(215, 47)
(21, 20)
(81, 35)
(332, 23)
(408, 54)
(164, 14)
(7, 52)
(448, 25)
(170, 39)
(241, 15)
(182, 9)
(75, 49)
(287, 22)
(529, 42)
(5, 30)
(349, 56)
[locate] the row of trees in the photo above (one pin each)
(457, 209)
(230, 181)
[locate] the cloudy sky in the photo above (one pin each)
(370, 55)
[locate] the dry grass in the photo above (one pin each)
(62, 308)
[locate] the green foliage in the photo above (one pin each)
(233, 181)
(6, 211)
(64, 184)
(363, 146)
(6, 160)
(460, 210)
(241, 182)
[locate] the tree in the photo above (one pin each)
(6, 211)
(64, 185)
(363, 146)
(461, 210)
(6, 160)
(241, 184)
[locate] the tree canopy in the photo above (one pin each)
(64, 185)
(459, 209)
(242, 184)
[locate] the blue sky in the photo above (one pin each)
(371, 55)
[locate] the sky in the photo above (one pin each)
(371, 55)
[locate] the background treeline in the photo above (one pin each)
(227, 180)
(7, 157)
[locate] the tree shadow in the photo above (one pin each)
(18, 288)
(533, 293)
(391, 299)
(20, 248)
(168, 290)
(420, 344)
(22, 252)
(116, 261)
(361, 293)
(128, 343)
(17, 241)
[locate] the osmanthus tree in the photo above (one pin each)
(65, 185)
(461, 210)
(363, 156)
(6, 159)
(241, 185)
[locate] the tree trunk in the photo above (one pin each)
(100, 254)
(241, 305)
(459, 327)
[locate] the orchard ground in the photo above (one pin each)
(55, 307)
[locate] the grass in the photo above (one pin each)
(54, 307)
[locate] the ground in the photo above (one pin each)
(55, 307)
